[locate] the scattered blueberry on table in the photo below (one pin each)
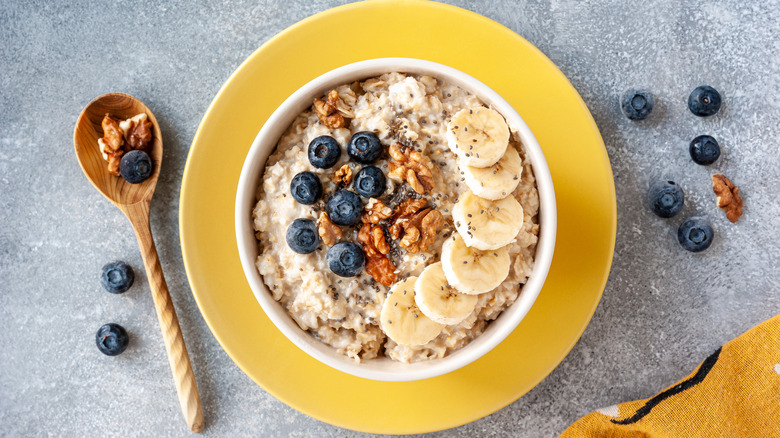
(324, 151)
(695, 234)
(344, 208)
(370, 182)
(704, 101)
(136, 166)
(704, 150)
(345, 259)
(117, 277)
(302, 236)
(306, 188)
(111, 339)
(364, 147)
(666, 198)
(637, 104)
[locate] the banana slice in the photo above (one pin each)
(478, 136)
(497, 181)
(486, 224)
(402, 320)
(470, 270)
(438, 300)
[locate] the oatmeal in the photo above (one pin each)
(423, 230)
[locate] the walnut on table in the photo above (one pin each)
(375, 246)
(728, 197)
(411, 166)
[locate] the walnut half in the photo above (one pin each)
(327, 110)
(375, 246)
(728, 197)
(111, 145)
(343, 176)
(375, 211)
(410, 166)
(329, 232)
(416, 225)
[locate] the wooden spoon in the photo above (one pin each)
(134, 200)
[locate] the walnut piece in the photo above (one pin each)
(112, 135)
(728, 197)
(403, 215)
(139, 134)
(416, 225)
(111, 144)
(123, 136)
(343, 176)
(379, 241)
(378, 266)
(327, 110)
(329, 232)
(375, 211)
(114, 159)
(410, 166)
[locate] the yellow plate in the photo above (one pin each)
(501, 59)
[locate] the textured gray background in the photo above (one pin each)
(663, 311)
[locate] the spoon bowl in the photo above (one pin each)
(89, 130)
(134, 200)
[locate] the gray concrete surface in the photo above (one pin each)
(663, 311)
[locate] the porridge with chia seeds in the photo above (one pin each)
(397, 217)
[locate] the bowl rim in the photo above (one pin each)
(385, 369)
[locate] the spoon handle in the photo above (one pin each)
(179, 360)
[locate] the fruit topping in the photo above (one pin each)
(302, 236)
(306, 188)
(370, 182)
(324, 151)
(364, 147)
(478, 136)
(344, 208)
(345, 259)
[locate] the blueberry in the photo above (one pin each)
(136, 166)
(704, 101)
(117, 277)
(302, 236)
(306, 188)
(345, 259)
(111, 339)
(704, 150)
(344, 208)
(364, 147)
(637, 104)
(370, 182)
(324, 151)
(695, 234)
(666, 198)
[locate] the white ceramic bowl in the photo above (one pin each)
(252, 172)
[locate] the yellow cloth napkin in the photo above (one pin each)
(734, 393)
